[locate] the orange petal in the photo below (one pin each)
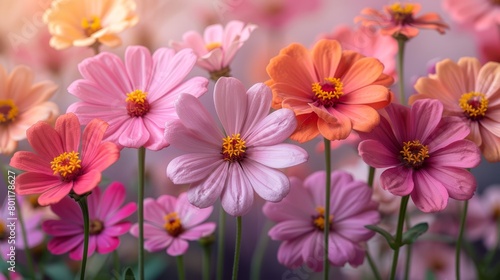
(307, 128)
(326, 56)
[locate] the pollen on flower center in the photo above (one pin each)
(96, 227)
(329, 92)
(91, 25)
(8, 111)
(66, 165)
(474, 105)
(173, 224)
(137, 104)
(319, 220)
(233, 148)
(212, 46)
(402, 13)
(414, 154)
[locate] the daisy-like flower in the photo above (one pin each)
(478, 14)
(425, 154)
(471, 92)
(106, 223)
(331, 91)
(232, 163)
(300, 219)
(85, 23)
(400, 20)
(217, 46)
(57, 167)
(171, 222)
(135, 97)
(22, 104)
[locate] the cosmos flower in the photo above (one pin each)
(300, 219)
(478, 14)
(136, 97)
(171, 222)
(106, 223)
(425, 154)
(58, 167)
(243, 158)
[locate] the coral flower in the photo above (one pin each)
(232, 163)
(57, 167)
(22, 104)
(400, 20)
(171, 222)
(217, 47)
(300, 219)
(478, 14)
(135, 97)
(106, 223)
(331, 91)
(425, 154)
(85, 23)
(471, 92)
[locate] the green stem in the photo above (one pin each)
(260, 251)
(220, 244)
(371, 176)
(140, 209)
(375, 271)
(27, 250)
(459, 240)
(82, 201)
(399, 234)
(401, 51)
(328, 167)
(237, 248)
(408, 252)
(180, 268)
(207, 252)
(116, 262)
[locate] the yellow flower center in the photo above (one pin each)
(329, 92)
(402, 13)
(319, 220)
(137, 104)
(96, 227)
(233, 148)
(66, 165)
(413, 154)
(91, 25)
(212, 46)
(8, 111)
(173, 224)
(474, 105)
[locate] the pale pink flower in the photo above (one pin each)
(243, 158)
(136, 97)
(478, 14)
(22, 104)
(484, 217)
(58, 167)
(106, 223)
(217, 46)
(425, 154)
(171, 222)
(300, 221)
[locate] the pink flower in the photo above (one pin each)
(106, 223)
(478, 14)
(218, 45)
(400, 20)
(135, 97)
(232, 163)
(171, 222)
(484, 216)
(300, 221)
(57, 167)
(426, 154)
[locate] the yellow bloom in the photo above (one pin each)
(83, 23)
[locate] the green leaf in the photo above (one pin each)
(384, 233)
(413, 233)
(128, 274)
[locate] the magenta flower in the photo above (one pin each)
(232, 163)
(426, 154)
(171, 222)
(135, 97)
(106, 223)
(58, 167)
(300, 219)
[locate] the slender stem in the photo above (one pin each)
(459, 240)
(220, 244)
(401, 51)
(371, 176)
(399, 234)
(259, 252)
(375, 271)
(82, 201)
(408, 252)
(180, 268)
(27, 250)
(140, 210)
(328, 167)
(116, 262)
(207, 252)
(237, 248)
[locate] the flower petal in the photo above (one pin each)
(139, 65)
(178, 247)
(230, 101)
(198, 231)
(398, 180)
(191, 168)
(459, 183)
(237, 197)
(205, 192)
(377, 154)
(273, 129)
(270, 184)
(429, 194)
(278, 156)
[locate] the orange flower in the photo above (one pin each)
(400, 20)
(83, 23)
(22, 104)
(331, 91)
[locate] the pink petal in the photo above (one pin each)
(289, 252)
(291, 229)
(196, 86)
(157, 243)
(68, 127)
(41, 112)
(278, 156)
(112, 198)
(121, 214)
(30, 162)
(259, 98)
(55, 194)
(87, 182)
(107, 244)
(198, 232)
(449, 130)
(191, 215)
(356, 199)
(61, 245)
(154, 212)
(462, 153)
(133, 134)
(95, 154)
(230, 101)
(298, 204)
(429, 194)
(205, 192)
(353, 228)
(98, 94)
(398, 180)
(237, 197)
(117, 229)
(273, 129)
(139, 66)
(191, 168)
(45, 140)
(35, 183)
(312, 251)
(425, 115)
(77, 253)
(213, 33)
(178, 247)
(377, 154)
(168, 203)
(270, 184)
(188, 140)
(341, 250)
(68, 210)
(62, 228)
(459, 183)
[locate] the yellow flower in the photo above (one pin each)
(84, 23)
